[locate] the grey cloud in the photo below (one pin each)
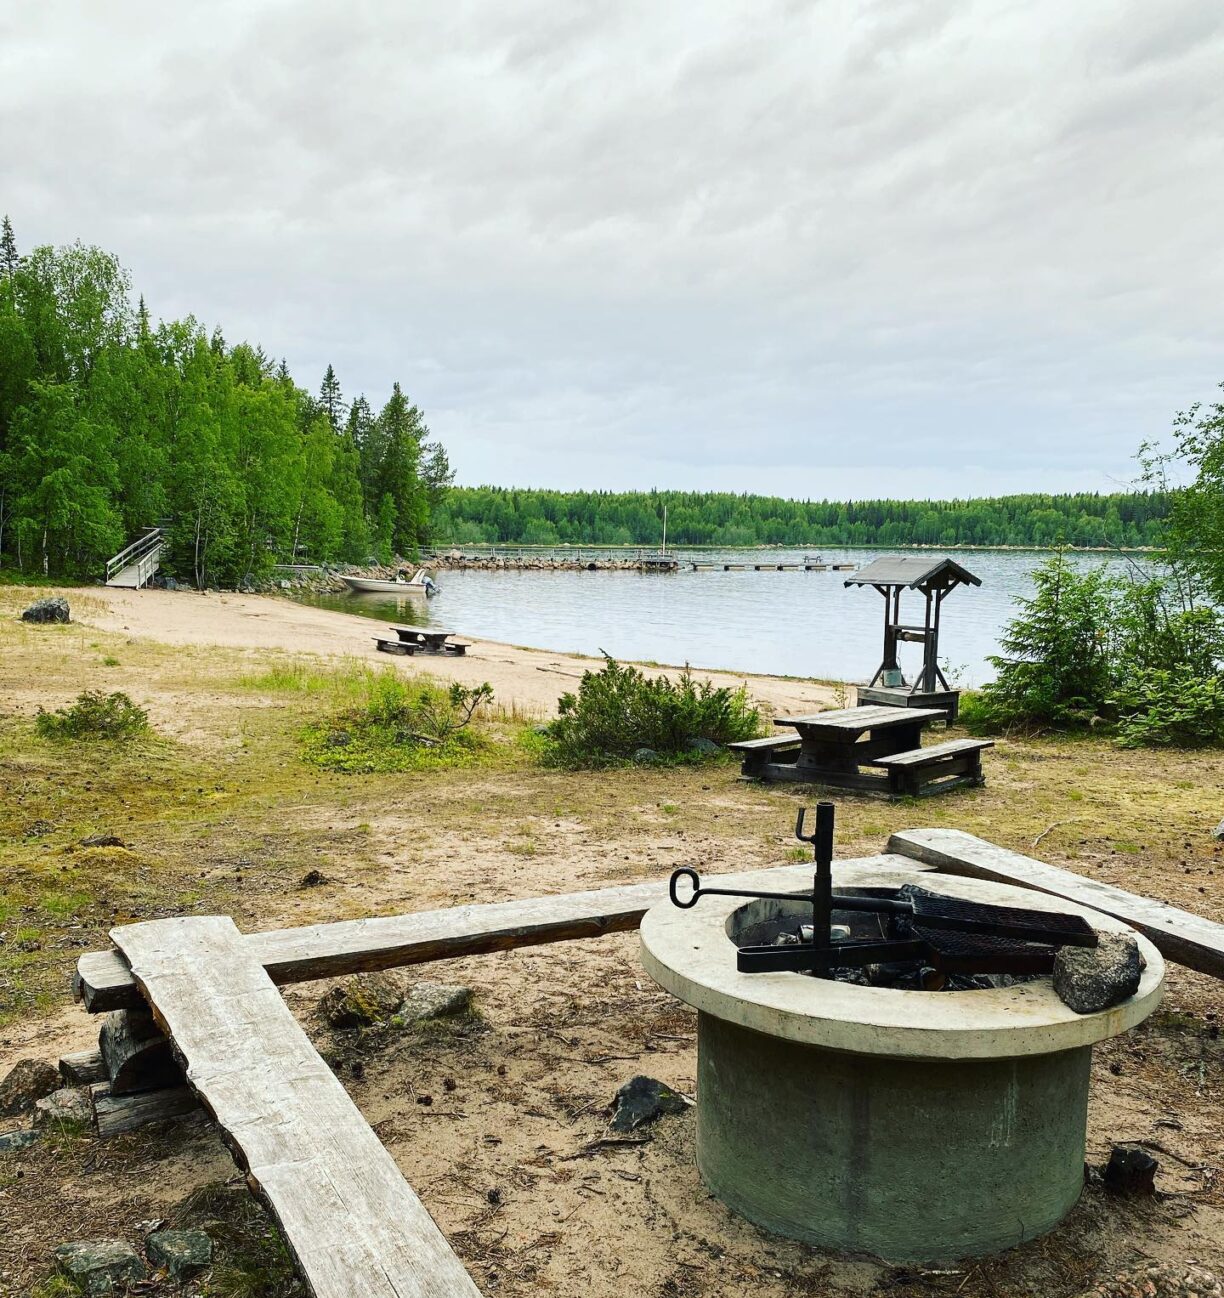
(863, 243)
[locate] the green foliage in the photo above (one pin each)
(110, 423)
(618, 710)
(400, 725)
(1195, 532)
(1091, 650)
(94, 715)
(1171, 708)
(1055, 668)
(471, 515)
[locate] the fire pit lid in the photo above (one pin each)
(689, 953)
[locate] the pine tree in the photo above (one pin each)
(8, 248)
(142, 319)
(331, 401)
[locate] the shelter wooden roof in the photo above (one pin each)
(913, 570)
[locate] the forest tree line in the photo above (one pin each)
(110, 423)
(471, 515)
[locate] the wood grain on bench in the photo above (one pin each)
(353, 1224)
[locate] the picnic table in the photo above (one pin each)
(429, 640)
(833, 747)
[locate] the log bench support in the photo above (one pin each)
(394, 647)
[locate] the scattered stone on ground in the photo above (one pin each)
(103, 840)
(13, 1141)
(1160, 1280)
(1218, 831)
(24, 1084)
(432, 1001)
(312, 879)
(1090, 979)
(100, 1266)
(68, 1104)
(38, 829)
(361, 1001)
(181, 1252)
(643, 1100)
(706, 747)
(1130, 1170)
(646, 757)
(54, 609)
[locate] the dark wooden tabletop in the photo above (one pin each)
(846, 722)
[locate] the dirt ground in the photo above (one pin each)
(495, 1119)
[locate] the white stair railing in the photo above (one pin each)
(144, 555)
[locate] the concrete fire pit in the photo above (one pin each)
(916, 1126)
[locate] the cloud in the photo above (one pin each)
(883, 247)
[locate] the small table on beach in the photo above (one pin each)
(430, 639)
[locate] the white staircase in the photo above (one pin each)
(134, 566)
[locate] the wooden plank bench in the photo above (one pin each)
(1179, 935)
(933, 769)
(352, 1223)
(394, 647)
(759, 753)
(104, 982)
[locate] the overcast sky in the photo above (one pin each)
(844, 248)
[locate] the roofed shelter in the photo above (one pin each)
(935, 578)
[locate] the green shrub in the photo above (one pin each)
(94, 715)
(400, 725)
(618, 711)
(1175, 708)
(1055, 669)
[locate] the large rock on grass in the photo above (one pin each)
(48, 610)
(180, 1252)
(100, 1266)
(13, 1142)
(26, 1083)
(1090, 979)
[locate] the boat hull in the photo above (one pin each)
(373, 586)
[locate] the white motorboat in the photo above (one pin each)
(420, 583)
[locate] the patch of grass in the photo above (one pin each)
(797, 855)
(65, 905)
(55, 1286)
(400, 725)
(296, 676)
(94, 715)
(110, 661)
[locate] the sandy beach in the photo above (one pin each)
(529, 679)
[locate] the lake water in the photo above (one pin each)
(775, 623)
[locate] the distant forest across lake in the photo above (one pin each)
(504, 515)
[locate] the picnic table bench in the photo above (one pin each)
(832, 748)
(428, 639)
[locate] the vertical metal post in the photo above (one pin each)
(822, 885)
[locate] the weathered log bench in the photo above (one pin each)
(923, 771)
(759, 753)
